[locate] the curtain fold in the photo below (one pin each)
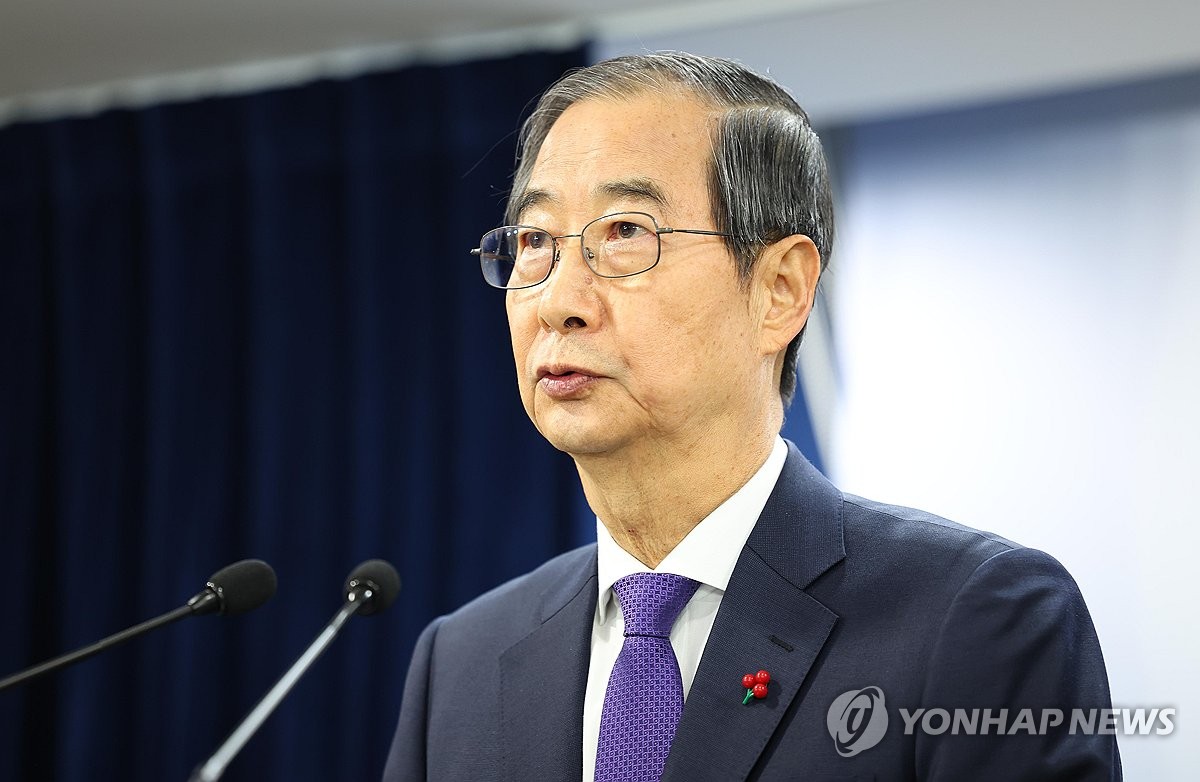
(249, 326)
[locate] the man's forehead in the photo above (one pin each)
(636, 190)
(641, 152)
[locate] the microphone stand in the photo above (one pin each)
(214, 767)
(198, 604)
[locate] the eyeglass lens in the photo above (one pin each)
(616, 245)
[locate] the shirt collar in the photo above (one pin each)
(710, 551)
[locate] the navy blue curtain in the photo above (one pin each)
(249, 327)
(798, 427)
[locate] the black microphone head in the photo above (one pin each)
(243, 586)
(378, 576)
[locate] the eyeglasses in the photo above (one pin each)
(616, 245)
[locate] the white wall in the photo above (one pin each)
(1017, 310)
(854, 59)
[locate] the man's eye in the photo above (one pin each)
(536, 240)
(626, 230)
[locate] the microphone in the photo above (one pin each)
(234, 589)
(370, 588)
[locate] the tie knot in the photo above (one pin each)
(650, 602)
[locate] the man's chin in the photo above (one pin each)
(579, 438)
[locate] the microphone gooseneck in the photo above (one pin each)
(240, 587)
(370, 588)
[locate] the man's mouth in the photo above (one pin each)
(564, 382)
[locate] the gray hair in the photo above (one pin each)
(768, 178)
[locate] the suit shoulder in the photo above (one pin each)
(919, 534)
(517, 603)
(930, 554)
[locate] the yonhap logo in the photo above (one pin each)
(857, 720)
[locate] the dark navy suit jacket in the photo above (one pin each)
(831, 594)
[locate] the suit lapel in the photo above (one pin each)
(766, 621)
(543, 678)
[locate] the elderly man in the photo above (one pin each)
(739, 617)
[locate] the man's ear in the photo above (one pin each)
(789, 270)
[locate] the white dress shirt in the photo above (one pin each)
(707, 554)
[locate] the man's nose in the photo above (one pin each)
(568, 300)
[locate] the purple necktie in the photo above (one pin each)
(645, 693)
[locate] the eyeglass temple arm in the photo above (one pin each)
(691, 231)
(492, 256)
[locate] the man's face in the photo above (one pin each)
(655, 362)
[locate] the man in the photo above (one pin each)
(670, 218)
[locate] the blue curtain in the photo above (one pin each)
(249, 326)
(798, 427)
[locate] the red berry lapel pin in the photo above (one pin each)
(756, 686)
